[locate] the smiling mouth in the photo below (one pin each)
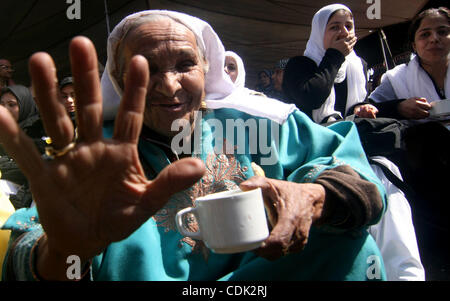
(171, 107)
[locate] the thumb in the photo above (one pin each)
(176, 177)
(253, 183)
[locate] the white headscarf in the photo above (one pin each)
(220, 90)
(240, 79)
(411, 80)
(352, 68)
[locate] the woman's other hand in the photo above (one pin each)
(292, 209)
(414, 108)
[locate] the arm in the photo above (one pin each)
(385, 100)
(309, 85)
(388, 105)
(327, 182)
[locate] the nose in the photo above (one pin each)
(343, 31)
(434, 36)
(167, 83)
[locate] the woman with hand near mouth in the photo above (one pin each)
(328, 82)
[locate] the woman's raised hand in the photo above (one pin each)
(97, 192)
(344, 44)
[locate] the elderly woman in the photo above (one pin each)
(111, 201)
(406, 91)
(328, 82)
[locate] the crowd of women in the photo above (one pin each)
(392, 205)
(395, 120)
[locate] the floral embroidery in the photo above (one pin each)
(309, 177)
(223, 172)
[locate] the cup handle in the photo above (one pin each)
(179, 224)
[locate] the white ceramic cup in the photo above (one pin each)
(228, 222)
(440, 108)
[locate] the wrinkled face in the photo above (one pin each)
(68, 97)
(264, 80)
(277, 78)
(177, 79)
(432, 39)
(9, 101)
(6, 69)
(338, 27)
(231, 68)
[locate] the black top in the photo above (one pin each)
(308, 85)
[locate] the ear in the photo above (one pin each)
(413, 45)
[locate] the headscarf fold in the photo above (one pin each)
(219, 89)
(352, 68)
(411, 80)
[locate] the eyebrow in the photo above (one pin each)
(183, 51)
(336, 22)
(429, 28)
(186, 51)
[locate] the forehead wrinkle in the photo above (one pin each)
(160, 31)
(153, 41)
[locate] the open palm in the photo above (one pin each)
(97, 193)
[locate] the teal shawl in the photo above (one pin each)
(297, 150)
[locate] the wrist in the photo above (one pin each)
(318, 198)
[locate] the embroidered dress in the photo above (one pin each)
(301, 150)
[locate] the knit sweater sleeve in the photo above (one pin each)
(351, 201)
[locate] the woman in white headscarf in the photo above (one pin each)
(328, 83)
(234, 67)
(112, 201)
(407, 91)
